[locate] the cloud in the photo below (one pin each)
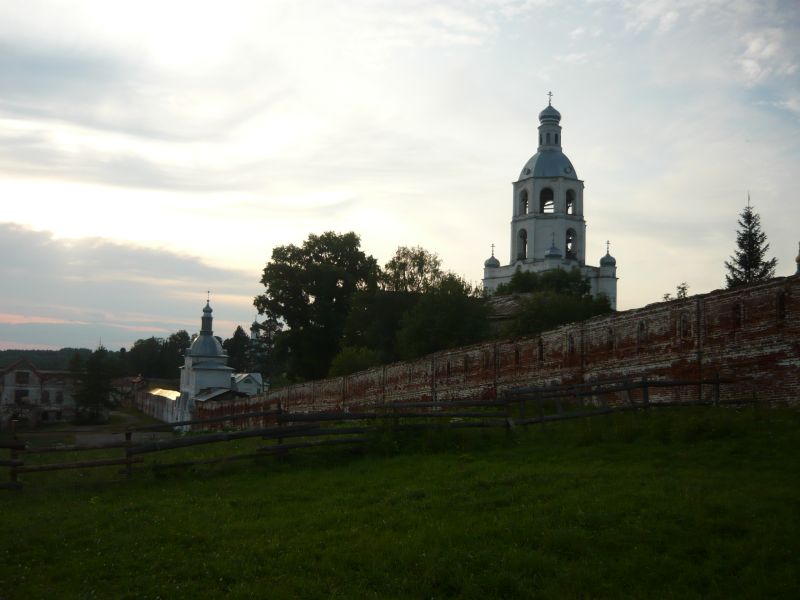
(767, 54)
(77, 289)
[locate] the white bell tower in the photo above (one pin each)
(548, 229)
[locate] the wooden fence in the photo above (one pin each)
(519, 407)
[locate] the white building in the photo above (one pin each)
(205, 370)
(548, 229)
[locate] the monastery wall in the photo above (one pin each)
(751, 334)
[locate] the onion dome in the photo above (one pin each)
(491, 263)
(549, 116)
(608, 260)
(553, 252)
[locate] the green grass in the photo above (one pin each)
(676, 503)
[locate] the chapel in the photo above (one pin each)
(548, 228)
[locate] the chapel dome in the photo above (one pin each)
(548, 163)
(491, 263)
(608, 261)
(206, 345)
(549, 115)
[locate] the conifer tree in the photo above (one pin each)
(749, 262)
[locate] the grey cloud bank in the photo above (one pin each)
(81, 291)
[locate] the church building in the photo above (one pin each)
(548, 229)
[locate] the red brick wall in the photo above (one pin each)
(752, 334)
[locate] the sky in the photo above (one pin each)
(151, 151)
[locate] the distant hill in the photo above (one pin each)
(48, 360)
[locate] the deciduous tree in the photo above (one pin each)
(309, 288)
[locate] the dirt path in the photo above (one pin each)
(105, 433)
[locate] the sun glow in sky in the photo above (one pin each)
(150, 151)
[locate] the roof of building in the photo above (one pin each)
(549, 115)
(216, 394)
(256, 377)
(548, 163)
(608, 261)
(169, 394)
(206, 344)
(491, 262)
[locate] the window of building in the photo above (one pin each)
(522, 245)
(540, 139)
(58, 415)
(45, 396)
(22, 377)
(570, 202)
(780, 306)
(548, 138)
(736, 315)
(20, 396)
(571, 244)
(641, 332)
(59, 397)
(523, 202)
(546, 204)
(556, 138)
(685, 327)
(44, 415)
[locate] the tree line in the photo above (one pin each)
(337, 311)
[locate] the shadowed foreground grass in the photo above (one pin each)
(675, 503)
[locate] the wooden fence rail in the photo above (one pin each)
(318, 429)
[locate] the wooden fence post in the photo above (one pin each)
(128, 464)
(540, 402)
(13, 454)
(645, 392)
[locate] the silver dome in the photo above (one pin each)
(206, 345)
(548, 163)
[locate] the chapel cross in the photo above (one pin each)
(607, 245)
(549, 98)
(492, 249)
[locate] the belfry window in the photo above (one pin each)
(522, 245)
(571, 244)
(540, 139)
(548, 138)
(570, 202)
(546, 204)
(523, 202)
(556, 138)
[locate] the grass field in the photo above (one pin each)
(675, 503)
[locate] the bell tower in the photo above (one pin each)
(548, 229)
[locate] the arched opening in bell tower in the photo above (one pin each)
(571, 244)
(523, 202)
(522, 245)
(570, 202)
(546, 204)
